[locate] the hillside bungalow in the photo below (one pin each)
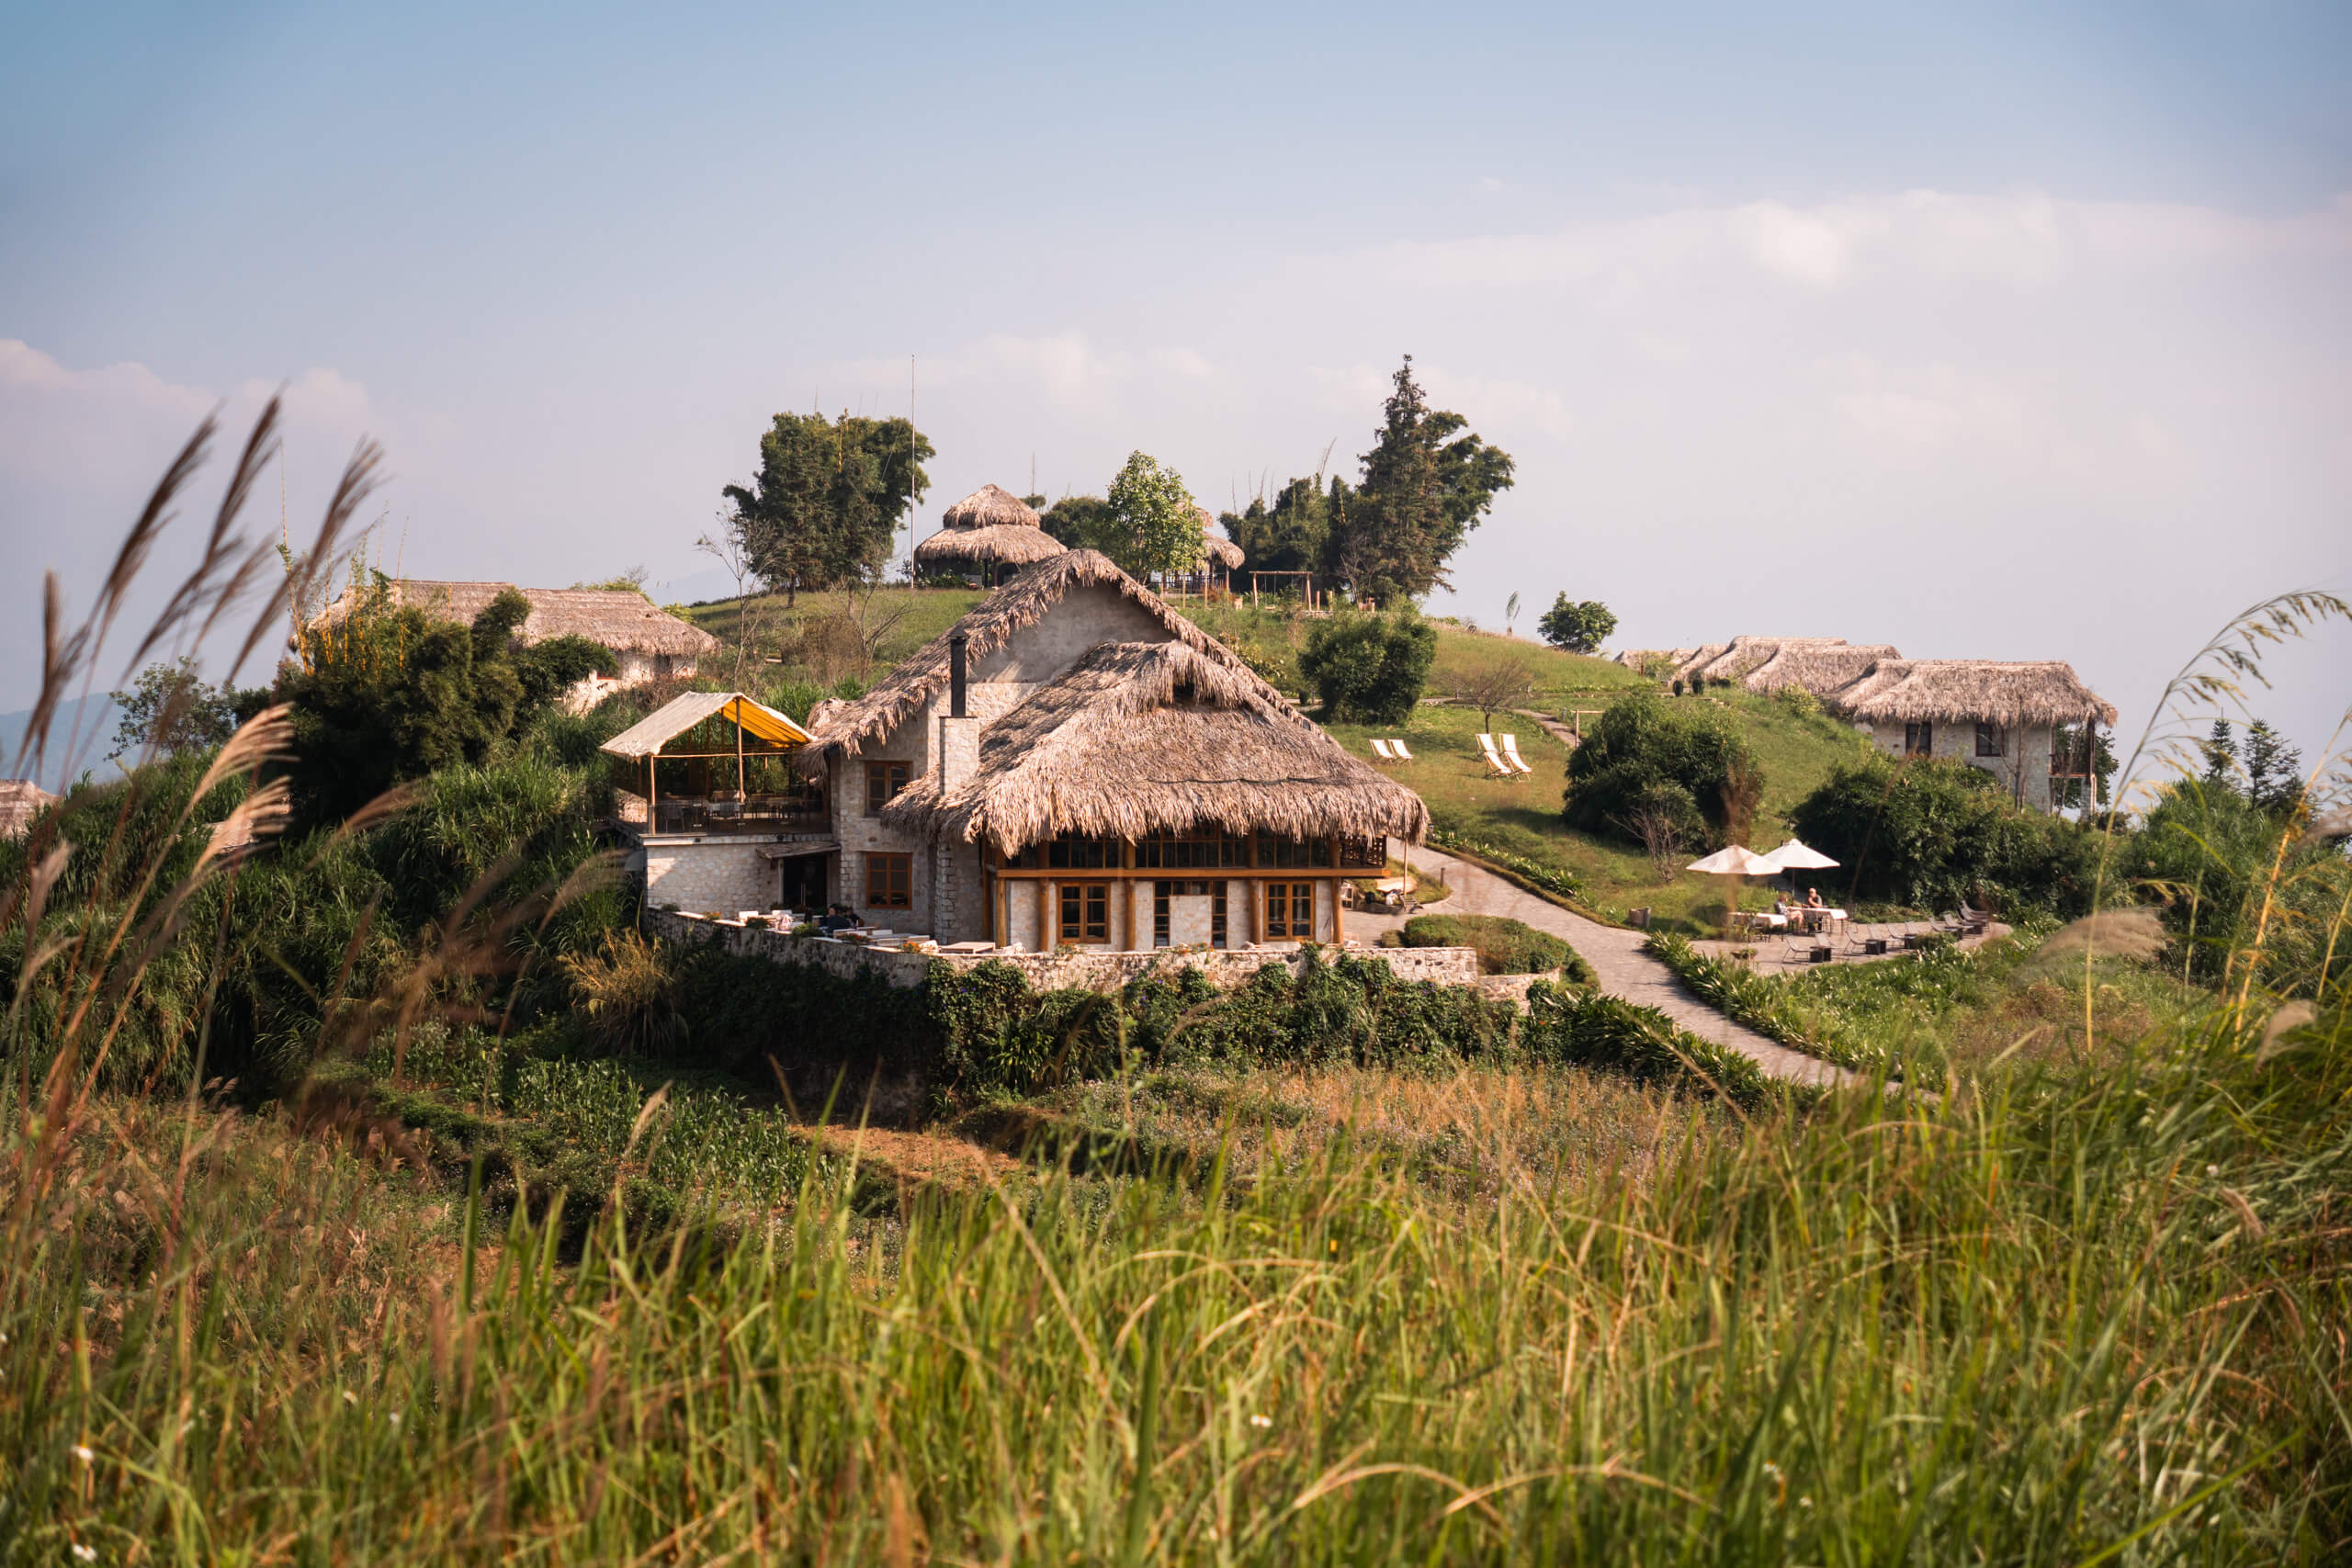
(1997, 715)
(649, 643)
(704, 787)
(1075, 763)
(987, 534)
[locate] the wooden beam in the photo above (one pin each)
(1045, 925)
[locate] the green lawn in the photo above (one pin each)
(1522, 815)
(906, 619)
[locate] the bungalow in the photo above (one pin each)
(1073, 763)
(2000, 716)
(649, 643)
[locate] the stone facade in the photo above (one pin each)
(703, 874)
(2023, 766)
(1093, 971)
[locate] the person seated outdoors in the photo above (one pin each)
(1780, 904)
(1813, 899)
(838, 916)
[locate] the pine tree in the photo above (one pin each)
(2220, 757)
(1427, 481)
(2273, 770)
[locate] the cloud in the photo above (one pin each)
(2024, 239)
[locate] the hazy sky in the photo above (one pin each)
(1977, 329)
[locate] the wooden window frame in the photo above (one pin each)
(897, 884)
(1992, 740)
(1167, 888)
(877, 775)
(1919, 740)
(1289, 904)
(1089, 897)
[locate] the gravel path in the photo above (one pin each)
(1616, 956)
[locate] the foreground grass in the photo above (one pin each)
(2032, 1324)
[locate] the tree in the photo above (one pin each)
(826, 503)
(1427, 481)
(1932, 833)
(629, 581)
(389, 694)
(169, 709)
(1074, 519)
(1149, 523)
(1368, 669)
(2274, 771)
(1647, 753)
(1580, 629)
(1491, 688)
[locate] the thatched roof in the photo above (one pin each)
(1819, 665)
(21, 800)
(1004, 545)
(683, 712)
(1222, 550)
(1954, 691)
(990, 506)
(991, 526)
(1138, 738)
(1638, 658)
(1019, 604)
(1698, 658)
(623, 620)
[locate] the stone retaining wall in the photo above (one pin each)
(1057, 971)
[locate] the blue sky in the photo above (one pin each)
(2000, 331)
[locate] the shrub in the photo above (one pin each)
(1368, 669)
(1594, 1029)
(626, 992)
(1578, 627)
(1933, 833)
(1647, 755)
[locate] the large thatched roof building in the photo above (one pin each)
(984, 533)
(1076, 762)
(649, 643)
(2004, 717)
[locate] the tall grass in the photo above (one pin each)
(2039, 1324)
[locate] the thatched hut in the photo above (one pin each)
(1076, 762)
(986, 533)
(649, 643)
(21, 800)
(1996, 715)
(1818, 664)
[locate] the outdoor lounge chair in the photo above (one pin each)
(1397, 748)
(1510, 754)
(1380, 749)
(1495, 763)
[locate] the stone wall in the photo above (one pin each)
(1055, 971)
(701, 874)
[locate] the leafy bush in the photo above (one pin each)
(1933, 833)
(1685, 760)
(1505, 946)
(1368, 669)
(1596, 1030)
(1768, 1006)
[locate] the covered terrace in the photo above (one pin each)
(713, 762)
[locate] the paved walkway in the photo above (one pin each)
(1773, 950)
(1617, 960)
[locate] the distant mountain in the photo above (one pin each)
(79, 738)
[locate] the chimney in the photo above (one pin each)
(956, 676)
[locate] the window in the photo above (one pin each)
(1290, 911)
(1163, 891)
(1086, 911)
(1293, 854)
(1068, 853)
(883, 780)
(1203, 850)
(1370, 855)
(890, 882)
(1919, 739)
(1988, 739)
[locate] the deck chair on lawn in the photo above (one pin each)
(1495, 763)
(1396, 749)
(1380, 749)
(1510, 754)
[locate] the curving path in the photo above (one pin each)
(1616, 956)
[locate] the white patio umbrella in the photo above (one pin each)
(1798, 855)
(1732, 861)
